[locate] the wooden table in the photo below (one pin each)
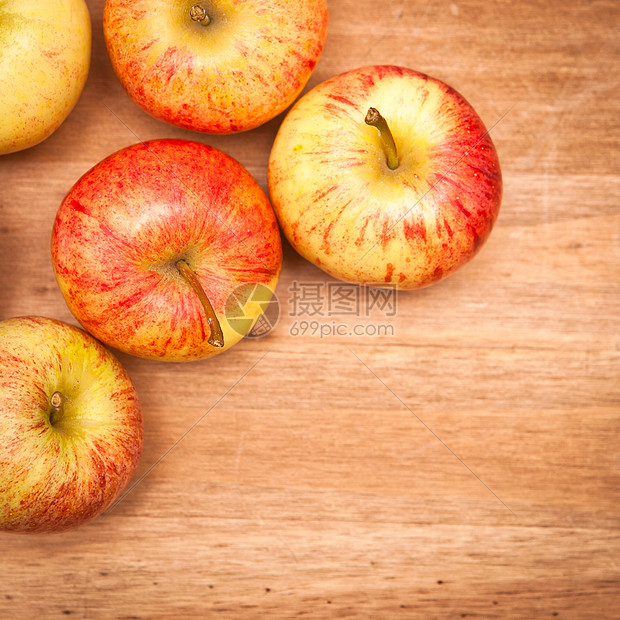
(465, 465)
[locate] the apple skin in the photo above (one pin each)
(346, 211)
(44, 64)
(55, 476)
(123, 226)
(248, 65)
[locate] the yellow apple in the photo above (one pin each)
(44, 61)
(404, 212)
(216, 66)
(71, 429)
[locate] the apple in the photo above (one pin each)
(44, 62)
(151, 243)
(71, 431)
(385, 176)
(215, 66)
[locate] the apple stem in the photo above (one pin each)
(56, 402)
(199, 14)
(216, 336)
(374, 118)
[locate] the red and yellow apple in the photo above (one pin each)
(385, 176)
(44, 61)
(216, 66)
(71, 430)
(150, 244)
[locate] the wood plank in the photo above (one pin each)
(464, 463)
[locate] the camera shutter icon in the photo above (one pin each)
(252, 310)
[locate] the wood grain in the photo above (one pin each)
(465, 464)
